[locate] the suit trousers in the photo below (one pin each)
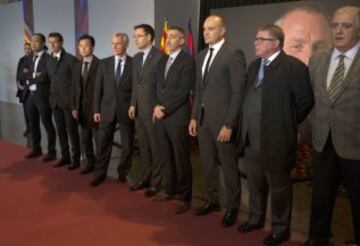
(260, 181)
(66, 126)
(329, 170)
(106, 135)
(214, 154)
(39, 108)
(150, 169)
(174, 143)
(89, 138)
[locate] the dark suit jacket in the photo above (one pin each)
(287, 98)
(110, 99)
(21, 94)
(61, 73)
(42, 81)
(77, 82)
(143, 96)
(341, 117)
(173, 93)
(222, 91)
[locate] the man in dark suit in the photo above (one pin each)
(111, 105)
(60, 92)
(143, 101)
(335, 121)
(82, 99)
(23, 90)
(220, 79)
(278, 98)
(174, 80)
(36, 75)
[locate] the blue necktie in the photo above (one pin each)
(260, 76)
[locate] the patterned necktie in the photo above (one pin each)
(337, 79)
(260, 76)
(168, 65)
(207, 65)
(85, 71)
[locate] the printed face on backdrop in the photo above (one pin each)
(305, 33)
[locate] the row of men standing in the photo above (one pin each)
(261, 108)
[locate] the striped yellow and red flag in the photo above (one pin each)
(164, 37)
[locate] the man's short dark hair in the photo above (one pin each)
(179, 29)
(149, 30)
(274, 31)
(41, 36)
(88, 37)
(56, 35)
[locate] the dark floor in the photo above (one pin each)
(12, 127)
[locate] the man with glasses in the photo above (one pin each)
(278, 97)
(143, 101)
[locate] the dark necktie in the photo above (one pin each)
(207, 65)
(337, 79)
(85, 71)
(33, 63)
(118, 72)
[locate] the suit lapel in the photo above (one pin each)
(172, 67)
(146, 63)
(215, 62)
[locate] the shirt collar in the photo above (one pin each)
(175, 54)
(88, 59)
(217, 45)
(350, 54)
(272, 57)
(39, 54)
(58, 54)
(147, 51)
(123, 58)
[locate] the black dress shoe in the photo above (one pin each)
(247, 227)
(122, 178)
(33, 153)
(87, 169)
(74, 166)
(182, 207)
(311, 242)
(96, 181)
(138, 186)
(229, 218)
(207, 208)
(276, 239)
(49, 157)
(62, 162)
(152, 191)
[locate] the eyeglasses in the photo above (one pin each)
(261, 39)
(140, 35)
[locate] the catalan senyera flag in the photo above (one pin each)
(28, 20)
(164, 37)
(189, 39)
(81, 21)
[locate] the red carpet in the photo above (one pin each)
(44, 206)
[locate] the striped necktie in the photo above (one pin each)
(337, 79)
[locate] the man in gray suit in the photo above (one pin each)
(220, 80)
(335, 123)
(174, 80)
(143, 101)
(278, 98)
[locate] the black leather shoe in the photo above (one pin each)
(276, 239)
(182, 207)
(229, 218)
(87, 169)
(122, 178)
(62, 162)
(138, 186)
(207, 208)
(33, 153)
(74, 166)
(49, 157)
(247, 227)
(152, 191)
(311, 242)
(96, 181)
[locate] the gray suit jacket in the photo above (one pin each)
(341, 118)
(221, 94)
(143, 96)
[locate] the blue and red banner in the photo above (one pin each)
(28, 20)
(189, 39)
(81, 20)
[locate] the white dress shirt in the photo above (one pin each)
(216, 48)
